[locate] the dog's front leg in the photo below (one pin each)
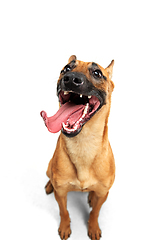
(64, 228)
(94, 231)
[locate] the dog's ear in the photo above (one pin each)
(109, 69)
(72, 58)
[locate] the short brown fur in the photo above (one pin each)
(84, 162)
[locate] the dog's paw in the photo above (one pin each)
(64, 230)
(94, 231)
(49, 188)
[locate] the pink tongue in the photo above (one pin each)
(66, 111)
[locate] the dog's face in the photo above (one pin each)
(82, 90)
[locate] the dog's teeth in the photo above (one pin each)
(85, 111)
(75, 127)
(69, 130)
(80, 95)
(89, 96)
(65, 92)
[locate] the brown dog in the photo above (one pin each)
(83, 159)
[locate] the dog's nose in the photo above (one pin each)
(73, 78)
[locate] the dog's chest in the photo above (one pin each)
(82, 154)
(86, 185)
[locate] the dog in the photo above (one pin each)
(83, 159)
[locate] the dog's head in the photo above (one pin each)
(82, 89)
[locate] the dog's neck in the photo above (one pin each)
(83, 148)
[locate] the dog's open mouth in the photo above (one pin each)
(75, 110)
(78, 109)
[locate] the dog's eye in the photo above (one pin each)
(66, 69)
(97, 73)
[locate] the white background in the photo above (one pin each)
(37, 38)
